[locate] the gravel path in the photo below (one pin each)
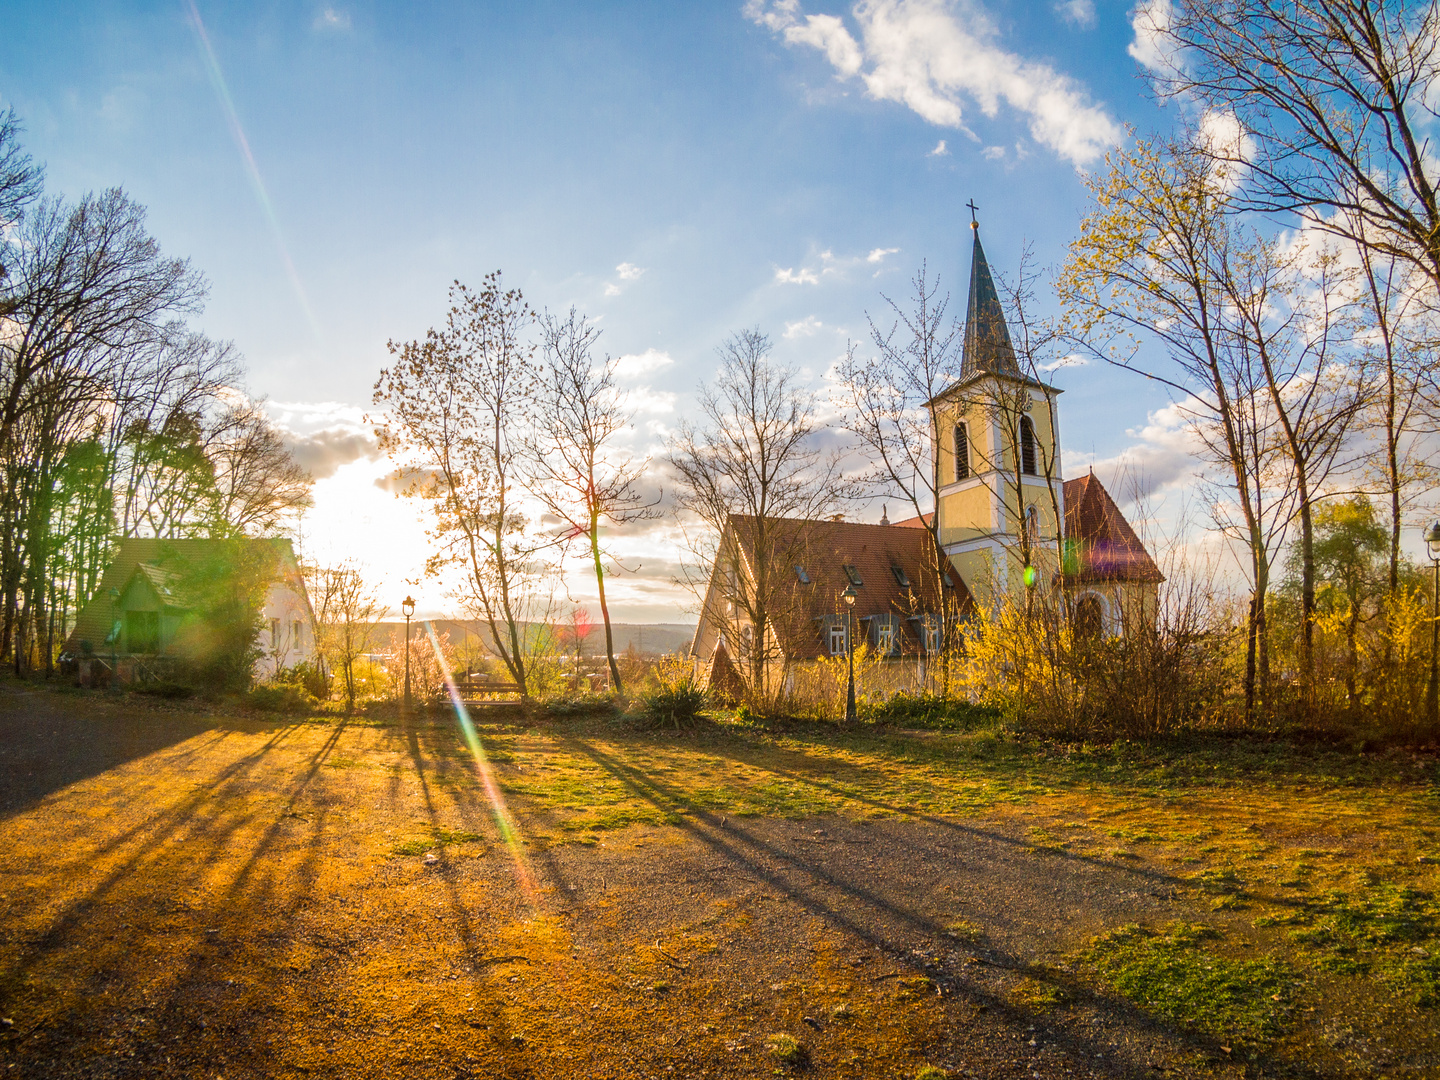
(193, 896)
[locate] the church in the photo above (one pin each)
(1005, 526)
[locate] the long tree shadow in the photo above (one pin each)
(472, 809)
(155, 831)
(786, 871)
(51, 740)
(811, 772)
(274, 849)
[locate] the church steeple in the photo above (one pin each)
(987, 346)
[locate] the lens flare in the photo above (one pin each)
(503, 821)
(257, 184)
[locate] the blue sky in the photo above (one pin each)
(677, 171)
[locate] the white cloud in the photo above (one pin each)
(828, 34)
(1150, 22)
(633, 364)
(878, 255)
(939, 150)
(296, 415)
(930, 55)
(646, 399)
(627, 272)
(1078, 12)
(803, 276)
(1165, 454)
(806, 327)
(993, 153)
(1222, 136)
(331, 19)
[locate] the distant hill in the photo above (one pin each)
(647, 639)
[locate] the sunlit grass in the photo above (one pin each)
(1315, 854)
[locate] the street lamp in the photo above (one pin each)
(408, 607)
(1432, 692)
(849, 595)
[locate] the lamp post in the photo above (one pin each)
(1432, 691)
(114, 640)
(408, 607)
(849, 595)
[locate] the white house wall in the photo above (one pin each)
(294, 643)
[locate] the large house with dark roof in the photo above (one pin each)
(1005, 522)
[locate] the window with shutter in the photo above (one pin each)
(1027, 446)
(962, 453)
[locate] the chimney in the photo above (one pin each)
(884, 514)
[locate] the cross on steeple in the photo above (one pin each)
(974, 223)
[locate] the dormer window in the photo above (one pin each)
(962, 453)
(1027, 446)
(802, 575)
(853, 574)
(900, 577)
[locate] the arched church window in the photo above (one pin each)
(962, 453)
(1089, 619)
(1032, 522)
(1027, 446)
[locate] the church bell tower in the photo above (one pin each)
(999, 493)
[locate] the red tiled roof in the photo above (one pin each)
(824, 548)
(1100, 544)
(921, 522)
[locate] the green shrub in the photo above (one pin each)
(675, 700)
(582, 705)
(678, 706)
(929, 711)
(281, 698)
(310, 677)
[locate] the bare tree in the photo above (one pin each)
(20, 184)
(754, 478)
(455, 410)
(88, 291)
(257, 483)
(1335, 98)
(577, 469)
(1155, 259)
(1289, 309)
(347, 613)
(1397, 332)
(887, 398)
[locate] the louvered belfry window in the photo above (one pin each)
(962, 453)
(1027, 446)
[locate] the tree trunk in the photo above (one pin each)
(1250, 627)
(615, 682)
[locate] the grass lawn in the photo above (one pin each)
(192, 893)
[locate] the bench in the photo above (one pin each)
(469, 685)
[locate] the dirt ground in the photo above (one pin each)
(213, 896)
